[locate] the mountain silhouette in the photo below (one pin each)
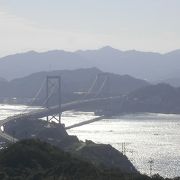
(144, 65)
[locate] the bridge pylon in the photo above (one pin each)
(53, 95)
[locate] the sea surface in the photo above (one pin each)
(144, 138)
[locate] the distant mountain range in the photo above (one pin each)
(136, 95)
(159, 98)
(79, 80)
(144, 65)
(172, 81)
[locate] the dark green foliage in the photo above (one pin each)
(32, 154)
(36, 160)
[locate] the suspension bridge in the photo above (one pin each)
(53, 83)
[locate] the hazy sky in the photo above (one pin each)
(147, 25)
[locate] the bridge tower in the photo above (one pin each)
(53, 94)
(105, 91)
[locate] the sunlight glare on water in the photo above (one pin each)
(146, 136)
(10, 110)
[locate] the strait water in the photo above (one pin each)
(146, 137)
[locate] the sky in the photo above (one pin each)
(41, 25)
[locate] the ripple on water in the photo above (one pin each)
(146, 136)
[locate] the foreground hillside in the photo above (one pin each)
(36, 160)
(33, 159)
(55, 134)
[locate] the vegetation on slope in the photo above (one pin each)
(36, 160)
(55, 134)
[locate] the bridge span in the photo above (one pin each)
(54, 110)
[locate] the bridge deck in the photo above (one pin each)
(54, 110)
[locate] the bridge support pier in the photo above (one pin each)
(53, 95)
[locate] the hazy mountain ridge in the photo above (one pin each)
(172, 81)
(20, 65)
(159, 98)
(143, 65)
(79, 80)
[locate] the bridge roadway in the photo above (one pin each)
(51, 111)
